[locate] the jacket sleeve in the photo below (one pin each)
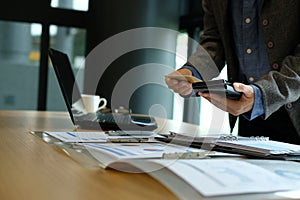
(283, 86)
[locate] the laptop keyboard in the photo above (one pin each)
(113, 118)
(106, 118)
(110, 121)
(90, 117)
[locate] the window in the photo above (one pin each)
(72, 42)
(19, 62)
(81, 5)
(181, 56)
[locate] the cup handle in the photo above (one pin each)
(103, 104)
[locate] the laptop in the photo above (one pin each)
(104, 121)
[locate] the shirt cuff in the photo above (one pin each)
(258, 107)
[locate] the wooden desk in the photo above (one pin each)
(35, 170)
(32, 169)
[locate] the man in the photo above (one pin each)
(259, 40)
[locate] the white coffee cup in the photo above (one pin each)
(93, 103)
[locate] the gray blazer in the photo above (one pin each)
(281, 26)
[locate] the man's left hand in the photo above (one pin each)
(234, 107)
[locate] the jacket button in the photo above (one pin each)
(251, 79)
(275, 66)
(288, 105)
(270, 45)
(247, 20)
(265, 22)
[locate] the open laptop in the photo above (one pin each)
(76, 108)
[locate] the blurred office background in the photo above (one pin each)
(29, 28)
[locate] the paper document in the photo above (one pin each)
(107, 153)
(79, 136)
(216, 177)
(264, 147)
(82, 137)
(289, 170)
(249, 146)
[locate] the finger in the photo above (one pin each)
(204, 95)
(246, 89)
(224, 103)
(183, 87)
(186, 87)
(210, 97)
(232, 106)
(172, 82)
(213, 97)
(239, 87)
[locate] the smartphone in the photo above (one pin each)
(219, 86)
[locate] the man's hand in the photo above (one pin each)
(234, 107)
(183, 88)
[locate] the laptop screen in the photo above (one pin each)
(66, 80)
(75, 106)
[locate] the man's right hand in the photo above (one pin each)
(183, 88)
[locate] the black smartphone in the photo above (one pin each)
(219, 86)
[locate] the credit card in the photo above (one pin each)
(189, 78)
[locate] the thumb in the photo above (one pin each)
(246, 89)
